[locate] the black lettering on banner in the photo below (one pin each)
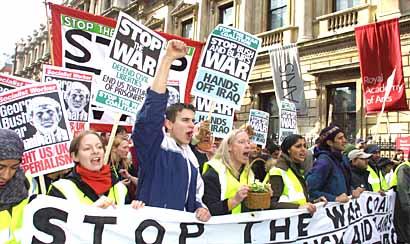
(274, 229)
(86, 54)
(287, 75)
(184, 232)
(182, 66)
(247, 235)
(301, 225)
(145, 224)
(337, 217)
(368, 208)
(99, 222)
(41, 220)
(367, 230)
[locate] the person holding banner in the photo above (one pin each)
(168, 169)
(91, 182)
(228, 174)
(330, 176)
(15, 187)
(376, 177)
(288, 185)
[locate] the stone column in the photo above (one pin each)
(304, 19)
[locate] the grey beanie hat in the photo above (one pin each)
(11, 146)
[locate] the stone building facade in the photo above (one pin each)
(322, 29)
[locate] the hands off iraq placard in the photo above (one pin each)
(76, 87)
(259, 121)
(225, 66)
(135, 51)
(221, 117)
(8, 82)
(35, 113)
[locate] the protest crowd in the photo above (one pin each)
(172, 161)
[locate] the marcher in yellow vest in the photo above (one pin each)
(91, 181)
(15, 187)
(376, 178)
(286, 177)
(400, 182)
(227, 175)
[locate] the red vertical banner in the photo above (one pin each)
(380, 55)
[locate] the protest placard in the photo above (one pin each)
(76, 87)
(259, 121)
(368, 219)
(225, 66)
(35, 113)
(8, 82)
(287, 119)
(129, 68)
(80, 40)
(221, 117)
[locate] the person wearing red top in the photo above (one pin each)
(91, 181)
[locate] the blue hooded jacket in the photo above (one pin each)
(329, 176)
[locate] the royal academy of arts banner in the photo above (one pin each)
(259, 121)
(380, 59)
(221, 116)
(80, 40)
(76, 87)
(8, 82)
(226, 65)
(36, 114)
(287, 78)
(134, 56)
(368, 219)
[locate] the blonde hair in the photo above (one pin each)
(223, 154)
(115, 159)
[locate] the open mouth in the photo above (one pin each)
(96, 160)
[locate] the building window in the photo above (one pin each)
(267, 103)
(277, 13)
(187, 29)
(226, 14)
(341, 108)
(344, 4)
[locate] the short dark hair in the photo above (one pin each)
(173, 109)
(272, 147)
(120, 129)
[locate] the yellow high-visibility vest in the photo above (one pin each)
(292, 189)
(70, 190)
(377, 181)
(229, 184)
(393, 181)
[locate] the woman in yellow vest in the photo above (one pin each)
(286, 177)
(91, 182)
(227, 175)
(15, 187)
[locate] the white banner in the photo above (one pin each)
(259, 121)
(129, 68)
(287, 120)
(221, 117)
(368, 219)
(287, 78)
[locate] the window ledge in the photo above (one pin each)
(283, 35)
(345, 20)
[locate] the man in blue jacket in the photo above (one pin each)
(168, 169)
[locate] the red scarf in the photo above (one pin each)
(99, 181)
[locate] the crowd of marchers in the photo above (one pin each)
(179, 165)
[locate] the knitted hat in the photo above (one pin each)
(289, 141)
(372, 148)
(12, 146)
(329, 133)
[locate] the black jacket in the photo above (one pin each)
(360, 178)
